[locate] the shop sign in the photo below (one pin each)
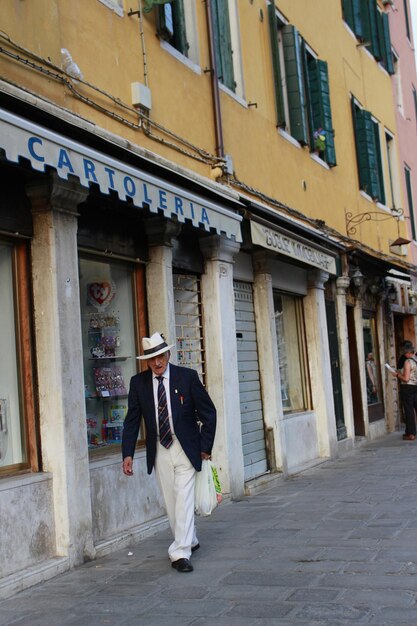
(43, 148)
(297, 249)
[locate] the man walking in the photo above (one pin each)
(180, 420)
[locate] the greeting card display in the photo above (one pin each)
(109, 381)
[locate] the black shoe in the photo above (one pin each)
(182, 565)
(194, 548)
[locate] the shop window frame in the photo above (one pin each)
(140, 329)
(201, 366)
(25, 354)
(301, 340)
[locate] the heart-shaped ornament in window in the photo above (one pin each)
(100, 294)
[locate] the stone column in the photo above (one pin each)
(268, 361)
(59, 362)
(159, 282)
(342, 284)
(319, 363)
(221, 358)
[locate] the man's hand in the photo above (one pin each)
(205, 456)
(128, 466)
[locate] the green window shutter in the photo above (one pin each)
(407, 174)
(318, 76)
(223, 43)
(380, 191)
(407, 20)
(369, 15)
(385, 39)
(415, 101)
(171, 25)
(366, 151)
(180, 34)
(279, 99)
(352, 16)
(295, 84)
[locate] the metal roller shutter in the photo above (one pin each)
(253, 437)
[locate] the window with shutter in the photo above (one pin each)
(223, 43)
(171, 25)
(407, 173)
(302, 95)
(369, 14)
(276, 63)
(352, 16)
(371, 27)
(368, 151)
(321, 113)
(295, 83)
(387, 56)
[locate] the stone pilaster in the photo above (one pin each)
(342, 285)
(59, 362)
(221, 358)
(159, 282)
(319, 363)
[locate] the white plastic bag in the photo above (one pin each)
(205, 491)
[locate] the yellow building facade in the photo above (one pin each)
(225, 173)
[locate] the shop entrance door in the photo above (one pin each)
(358, 419)
(253, 435)
(335, 366)
(372, 368)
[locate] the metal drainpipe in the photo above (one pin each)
(218, 127)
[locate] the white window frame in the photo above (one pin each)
(114, 5)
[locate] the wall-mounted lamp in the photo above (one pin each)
(374, 288)
(357, 278)
(391, 294)
(412, 297)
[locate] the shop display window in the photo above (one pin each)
(188, 322)
(372, 369)
(108, 307)
(289, 322)
(18, 441)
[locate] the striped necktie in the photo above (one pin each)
(165, 435)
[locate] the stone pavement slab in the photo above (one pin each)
(332, 546)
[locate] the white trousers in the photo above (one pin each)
(176, 478)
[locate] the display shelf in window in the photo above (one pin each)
(110, 358)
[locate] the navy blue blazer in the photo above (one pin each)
(189, 402)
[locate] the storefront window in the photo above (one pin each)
(289, 324)
(373, 384)
(12, 431)
(188, 322)
(109, 347)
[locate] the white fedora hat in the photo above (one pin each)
(152, 346)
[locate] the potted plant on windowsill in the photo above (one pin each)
(319, 141)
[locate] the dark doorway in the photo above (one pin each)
(335, 367)
(358, 419)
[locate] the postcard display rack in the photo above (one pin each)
(106, 370)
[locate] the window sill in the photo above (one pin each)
(317, 159)
(180, 57)
(233, 95)
(366, 196)
(285, 135)
(22, 480)
(294, 414)
(113, 6)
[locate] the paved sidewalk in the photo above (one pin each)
(334, 545)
